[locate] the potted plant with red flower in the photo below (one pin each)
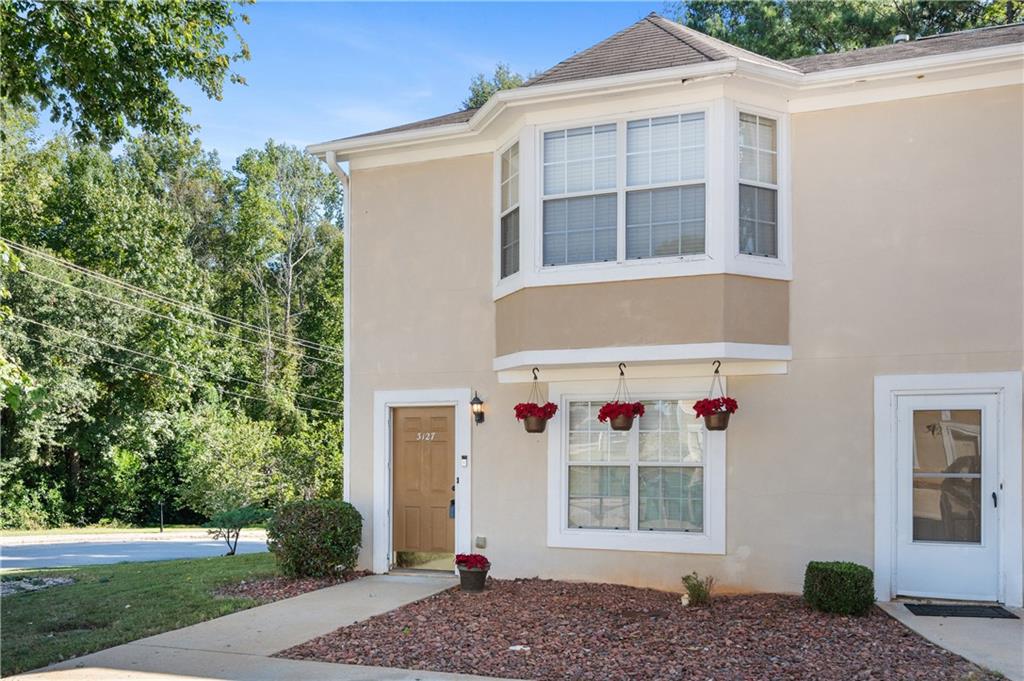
(535, 416)
(473, 569)
(536, 411)
(715, 411)
(621, 410)
(621, 414)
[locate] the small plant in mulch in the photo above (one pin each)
(698, 589)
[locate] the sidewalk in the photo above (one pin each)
(238, 647)
(996, 644)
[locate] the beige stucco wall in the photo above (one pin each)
(907, 251)
(702, 309)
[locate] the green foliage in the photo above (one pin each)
(116, 401)
(783, 29)
(228, 525)
(315, 538)
(68, 621)
(481, 87)
(698, 589)
(839, 587)
(105, 67)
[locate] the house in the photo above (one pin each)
(842, 232)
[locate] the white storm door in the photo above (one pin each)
(947, 524)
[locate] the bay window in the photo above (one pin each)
(759, 189)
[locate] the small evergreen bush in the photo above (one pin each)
(839, 587)
(316, 538)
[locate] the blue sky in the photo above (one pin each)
(325, 70)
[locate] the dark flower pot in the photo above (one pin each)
(622, 422)
(472, 580)
(717, 421)
(535, 424)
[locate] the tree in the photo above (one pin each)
(103, 67)
(784, 29)
(481, 88)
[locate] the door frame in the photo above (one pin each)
(384, 401)
(1006, 386)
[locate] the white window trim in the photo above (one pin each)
(721, 210)
(710, 541)
(383, 402)
(1007, 388)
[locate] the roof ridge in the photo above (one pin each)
(716, 42)
(967, 30)
(713, 57)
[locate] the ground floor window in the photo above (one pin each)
(657, 487)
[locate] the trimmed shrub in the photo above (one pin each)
(316, 538)
(839, 587)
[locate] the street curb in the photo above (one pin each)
(120, 537)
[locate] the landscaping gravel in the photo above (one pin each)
(278, 588)
(540, 629)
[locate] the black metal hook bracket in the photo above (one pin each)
(717, 364)
(535, 372)
(622, 367)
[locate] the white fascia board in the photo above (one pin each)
(642, 353)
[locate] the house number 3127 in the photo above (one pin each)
(425, 437)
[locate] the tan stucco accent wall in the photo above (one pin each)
(907, 255)
(703, 309)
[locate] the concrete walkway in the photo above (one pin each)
(996, 644)
(237, 647)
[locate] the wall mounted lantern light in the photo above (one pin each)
(477, 405)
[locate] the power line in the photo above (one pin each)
(313, 345)
(159, 375)
(171, 361)
(178, 321)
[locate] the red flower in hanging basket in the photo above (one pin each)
(612, 410)
(472, 561)
(716, 405)
(544, 411)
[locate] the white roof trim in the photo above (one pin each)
(783, 76)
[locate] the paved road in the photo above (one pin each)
(67, 554)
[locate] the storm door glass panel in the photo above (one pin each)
(947, 476)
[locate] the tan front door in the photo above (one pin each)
(424, 476)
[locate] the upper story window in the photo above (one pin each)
(759, 189)
(579, 213)
(666, 154)
(510, 211)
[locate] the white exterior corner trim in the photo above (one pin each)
(710, 541)
(383, 402)
(1006, 387)
(686, 352)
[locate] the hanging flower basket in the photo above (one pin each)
(535, 416)
(716, 410)
(535, 413)
(620, 414)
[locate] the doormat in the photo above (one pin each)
(991, 611)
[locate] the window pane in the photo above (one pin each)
(599, 496)
(510, 243)
(748, 164)
(947, 509)
(554, 146)
(748, 130)
(665, 149)
(947, 441)
(554, 178)
(665, 222)
(765, 133)
(579, 230)
(758, 221)
(671, 498)
(579, 160)
(670, 432)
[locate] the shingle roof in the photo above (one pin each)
(944, 43)
(657, 43)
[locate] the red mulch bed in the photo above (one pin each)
(604, 632)
(278, 588)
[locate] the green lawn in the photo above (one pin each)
(112, 604)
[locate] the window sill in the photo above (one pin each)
(646, 541)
